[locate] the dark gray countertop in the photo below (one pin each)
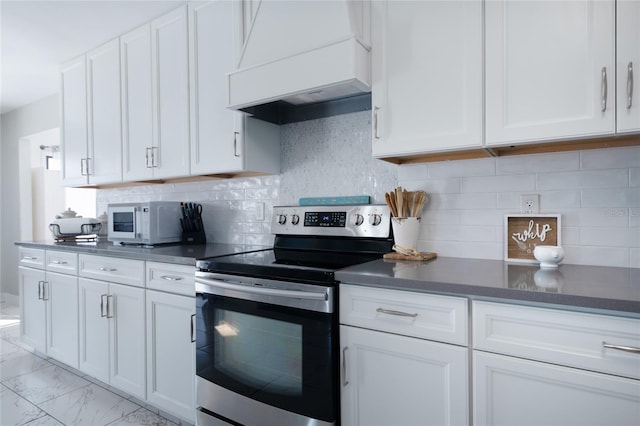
(171, 253)
(578, 286)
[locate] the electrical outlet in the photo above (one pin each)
(530, 203)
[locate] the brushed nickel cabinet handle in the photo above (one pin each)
(345, 381)
(40, 290)
(29, 258)
(82, 167)
(170, 278)
(45, 292)
(102, 297)
(603, 89)
(146, 156)
(193, 328)
(105, 269)
(59, 262)
(110, 308)
(630, 349)
(629, 85)
(396, 313)
(375, 122)
(235, 144)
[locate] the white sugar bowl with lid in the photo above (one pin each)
(548, 256)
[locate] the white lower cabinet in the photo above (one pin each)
(511, 391)
(48, 303)
(112, 334)
(62, 318)
(396, 380)
(542, 366)
(33, 309)
(171, 353)
(394, 373)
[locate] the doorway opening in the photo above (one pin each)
(42, 195)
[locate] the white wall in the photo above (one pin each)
(33, 118)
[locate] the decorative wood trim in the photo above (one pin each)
(520, 149)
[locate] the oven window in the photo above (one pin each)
(262, 353)
(123, 221)
(281, 356)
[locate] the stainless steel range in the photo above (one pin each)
(267, 328)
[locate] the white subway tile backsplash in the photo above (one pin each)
(589, 255)
(597, 192)
(412, 172)
(611, 178)
(611, 158)
(538, 163)
(463, 168)
(498, 183)
(614, 197)
(463, 201)
(634, 177)
(610, 237)
(479, 250)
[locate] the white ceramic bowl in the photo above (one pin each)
(548, 256)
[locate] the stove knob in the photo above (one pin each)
(282, 219)
(375, 219)
(359, 219)
(295, 219)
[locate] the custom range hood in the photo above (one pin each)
(302, 53)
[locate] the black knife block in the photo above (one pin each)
(196, 237)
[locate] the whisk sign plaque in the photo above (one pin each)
(523, 232)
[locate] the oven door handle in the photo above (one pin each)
(295, 294)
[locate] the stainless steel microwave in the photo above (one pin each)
(148, 223)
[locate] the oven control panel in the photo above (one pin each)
(340, 221)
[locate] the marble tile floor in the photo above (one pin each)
(38, 391)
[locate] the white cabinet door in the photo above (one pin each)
(171, 353)
(127, 339)
(170, 78)
(222, 141)
(211, 58)
(549, 70)
(427, 76)
(94, 328)
(73, 107)
(510, 391)
(388, 379)
(628, 65)
(62, 318)
(137, 116)
(33, 311)
(103, 90)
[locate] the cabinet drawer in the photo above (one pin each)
(62, 261)
(112, 269)
(31, 257)
(178, 279)
(426, 316)
(574, 339)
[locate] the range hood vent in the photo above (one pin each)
(302, 52)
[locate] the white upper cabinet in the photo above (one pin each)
(155, 99)
(427, 76)
(628, 65)
(103, 97)
(170, 80)
(73, 107)
(137, 116)
(550, 70)
(222, 141)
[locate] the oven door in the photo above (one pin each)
(266, 351)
